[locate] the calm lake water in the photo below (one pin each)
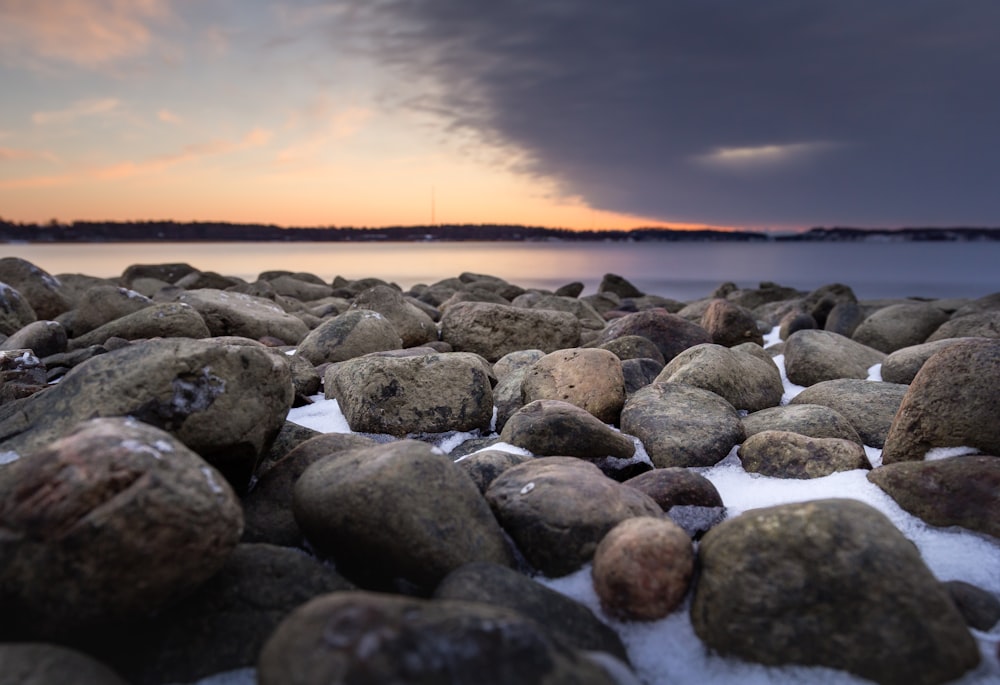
(684, 271)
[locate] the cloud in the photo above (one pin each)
(8, 154)
(79, 109)
(85, 33)
(852, 111)
(168, 117)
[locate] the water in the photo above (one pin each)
(684, 271)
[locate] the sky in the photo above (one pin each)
(763, 115)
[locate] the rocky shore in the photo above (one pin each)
(162, 520)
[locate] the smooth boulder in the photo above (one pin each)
(555, 428)
(729, 324)
(741, 378)
(349, 335)
(591, 379)
(670, 333)
(782, 454)
(900, 325)
(813, 356)
(165, 320)
(869, 406)
(813, 420)
(494, 330)
(233, 313)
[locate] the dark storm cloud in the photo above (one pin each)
(726, 111)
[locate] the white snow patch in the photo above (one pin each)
(772, 337)
(291, 353)
(874, 455)
(210, 477)
(453, 440)
(493, 421)
(139, 447)
(791, 390)
(9, 457)
(501, 447)
(163, 446)
(875, 372)
(936, 453)
(133, 295)
(28, 359)
(322, 415)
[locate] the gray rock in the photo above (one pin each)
(844, 318)
(633, 347)
(603, 302)
(670, 333)
(869, 406)
(44, 338)
(814, 420)
(484, 467)
(400, 510)
(169, 273)
(983, 325)
(958, 491)
(671, 487)
(581, 309)
(15, 311)
(589, 378)
(570, 289)
(40, 663)
(169, 320)
(40, 289)
(225, 403)
(639, 373)
(557, 428)
(349, 335)
(767, 292)
(643, 568)
(729, 324)
(985, 303)
(793, 322)
(103, 303)
(412, 324)
(494, 330)
(613, 283)
(779, 586)
(112, 489)
(782, 454)
(515, 361)
(900, 325)
(565, 618)
(427, 393)
(902, 365)
(510, 371)
(951, 402)
(813, 356)
(980, 608)
(231, 313)
(22, 374)
(199, 280)
(557, 510)
(744, 380)
(361, 637)
(303, 290)
(680, 425)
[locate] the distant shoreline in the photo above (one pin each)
(200, 232)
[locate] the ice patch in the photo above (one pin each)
(9, 457)
(322, 415)
(875, 372)
(791, 390)
(772, 337)
(937, 453)
(210, 477)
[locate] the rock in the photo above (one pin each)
(869, 406)
(290, 436)
(782, 454)
(588, 378)
(510, 371)
(844, 318)
(484, 467)
(44, 338)
(428, 393)
(169, 320)
(557, 510)
(730, 324)
(305, 379)
(169, 273)
(900, 325)
(349, 335)
(767, 292)
(103, 303)
(557, 428)
(958, 491)
(300, 276)
(413, 325)
(793, 322)
(680, 425)
(779, 586)
(603, 302)
(983, 325)
(225, 403)
(493, 330)
(633, 347)
(359, 637)
(199, 280)
(22, 374)
(566, 619)
(980, 608)
(643, 568)
(231, 313)
(41, 290)
(638, 373)
(902, 365)
(15, 311)
(669, 332)
(267, 508)
(570, 289)
(671, 487)
(399, 510)
(813, 420)
(815, 356)
(39, 663)
(742, 379)
(613, 283)
(112, 489)
(225, 623)
(298, 287)
(589, 317)
(952, 402)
